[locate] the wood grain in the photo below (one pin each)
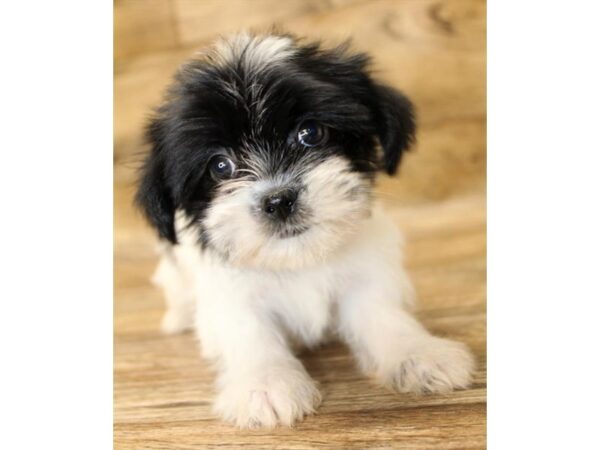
(163, 390)
(141, 26)
(433, 50)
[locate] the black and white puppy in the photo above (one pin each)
(259, 183)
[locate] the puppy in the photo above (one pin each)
(259, 183)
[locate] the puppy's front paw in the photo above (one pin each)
(433, 365)
(174, 322)
(280, 396)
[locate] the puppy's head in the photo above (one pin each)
(270, 147)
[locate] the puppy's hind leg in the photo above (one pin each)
(178, 293)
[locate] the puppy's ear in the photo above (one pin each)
(153, 195)
(395, 124)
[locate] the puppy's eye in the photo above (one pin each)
(221, 167)
(311, 133)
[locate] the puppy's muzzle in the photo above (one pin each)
(280, 205)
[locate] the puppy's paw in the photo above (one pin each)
(175, 322)
(281, 396)
(434, 365)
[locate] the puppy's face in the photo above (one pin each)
(270, 149)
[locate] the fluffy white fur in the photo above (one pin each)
(334, 199)
(247, 319)
(255, 52)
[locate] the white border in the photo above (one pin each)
(56, 186)
(544, 224)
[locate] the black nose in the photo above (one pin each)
(281, 204)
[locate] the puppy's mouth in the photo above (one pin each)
(291, 231)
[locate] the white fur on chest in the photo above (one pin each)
(246, 320)
(302, 302)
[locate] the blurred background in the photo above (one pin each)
(434, 51)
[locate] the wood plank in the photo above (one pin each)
(142, 26)
(163, 389)
(201, 22)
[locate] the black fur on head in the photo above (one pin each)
(248, 97)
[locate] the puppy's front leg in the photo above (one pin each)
(393, 346)
(260, 382)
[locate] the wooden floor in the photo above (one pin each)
(163, 389)
(433, 50)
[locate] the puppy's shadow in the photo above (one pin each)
(328, 362)
(340, 381)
